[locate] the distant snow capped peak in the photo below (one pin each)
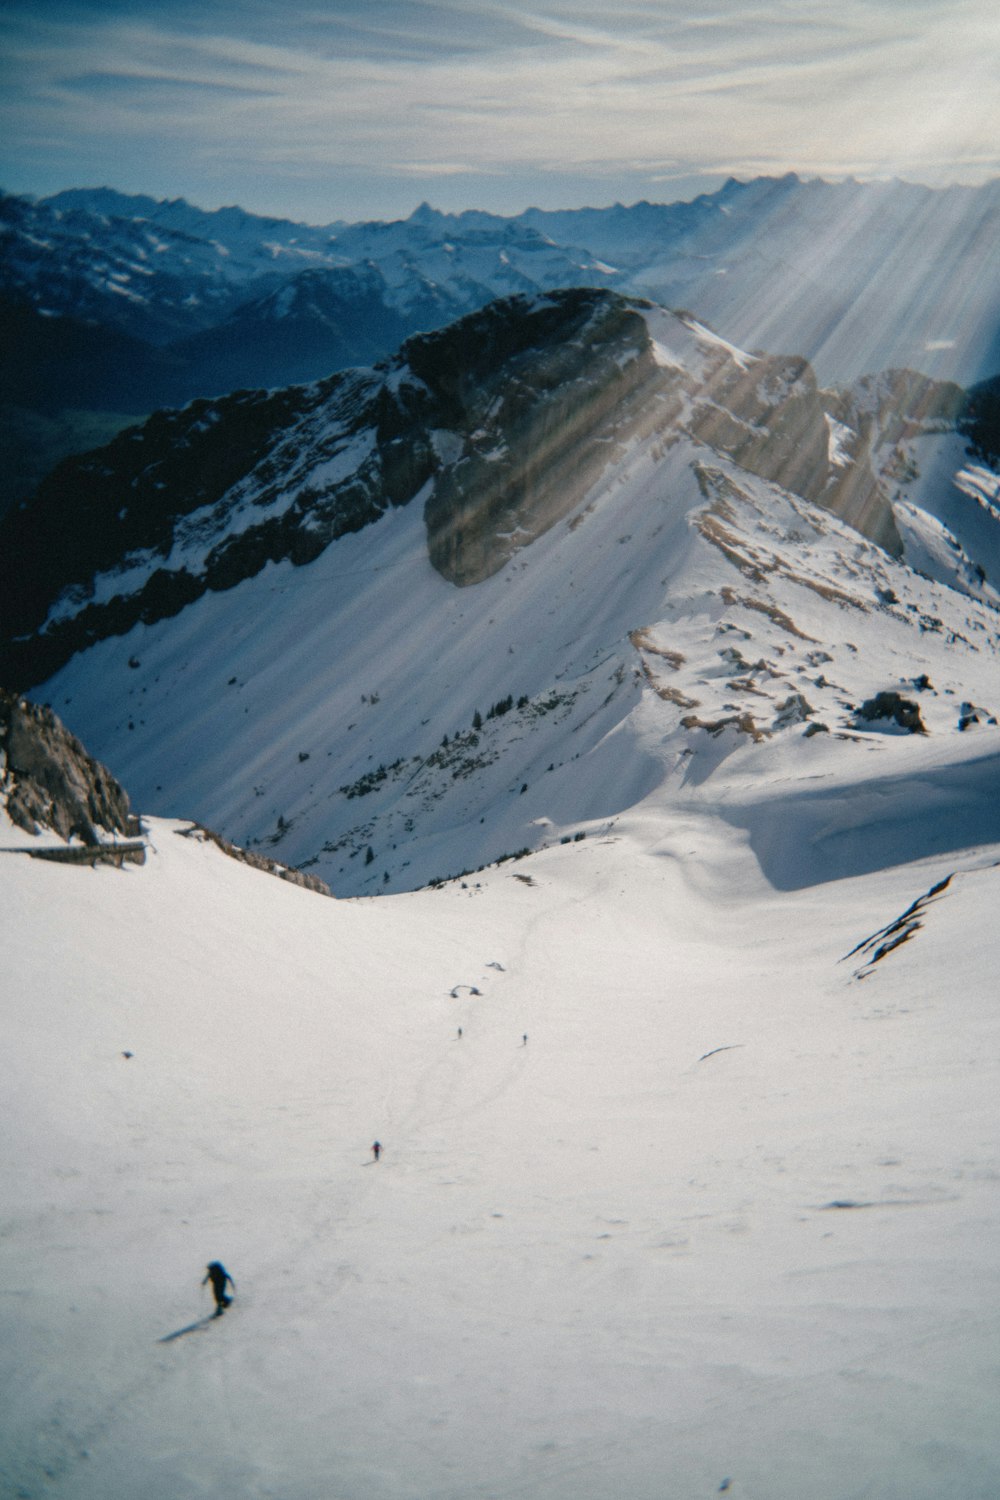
(835, 272)
(426, 215)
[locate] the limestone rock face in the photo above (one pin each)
(498, 424)
(50, 781)
(539, 405)
(773, 420)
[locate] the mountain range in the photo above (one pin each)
(566, 550)
(634, 691)
(122, 304)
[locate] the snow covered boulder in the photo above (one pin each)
(970, 714)
(795, 710)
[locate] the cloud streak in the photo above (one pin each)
(553, 93)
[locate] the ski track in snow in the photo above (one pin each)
(729, 1216)
(593, 1264)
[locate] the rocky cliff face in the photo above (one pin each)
(200, 499)
(772, 419)
(499, 423)
(538, 415)
(49, 782)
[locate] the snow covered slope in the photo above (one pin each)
(689, 1180)
(642, 611)
(725, 1221)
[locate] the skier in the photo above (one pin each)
(524, 1040)
(377, 1150)
(460, 1033)
(219, 1276)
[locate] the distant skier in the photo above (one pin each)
(524, 1040)
(219, 1277)
(460, 1033)
(377, 1150)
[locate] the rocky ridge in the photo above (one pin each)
(670, 616)
(119, 304)
(499, 424)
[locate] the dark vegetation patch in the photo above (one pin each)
(438, 881)
(371, 780)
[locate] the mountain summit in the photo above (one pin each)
(116, 304)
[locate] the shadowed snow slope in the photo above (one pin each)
(727, 1218)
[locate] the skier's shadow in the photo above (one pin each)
(179, 1333)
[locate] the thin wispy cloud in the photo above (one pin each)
(555, 94)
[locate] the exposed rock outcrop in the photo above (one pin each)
(50, 782)
(540, 402)
(890, 706)
(500, 422)
(257, 861)
(979, 420)
(772, 419)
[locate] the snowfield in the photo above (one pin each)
(691, 1180)
(727, 1221)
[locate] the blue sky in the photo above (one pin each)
(363, 108)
